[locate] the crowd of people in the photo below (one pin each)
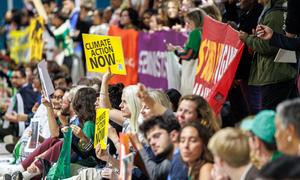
(172, 136)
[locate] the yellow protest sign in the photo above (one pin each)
(18, 42)
(27, 44)
(102, 52)
(36, 38)
(101, 128)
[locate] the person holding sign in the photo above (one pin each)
(83, 128)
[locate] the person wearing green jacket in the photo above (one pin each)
(270, 82)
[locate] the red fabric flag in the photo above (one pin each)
(219, 55)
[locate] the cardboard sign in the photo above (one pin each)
(45, 79)
(103, 52)
(101, 128)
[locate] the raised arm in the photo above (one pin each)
(104, 102)
(156, 108)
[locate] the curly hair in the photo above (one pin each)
(83, 104)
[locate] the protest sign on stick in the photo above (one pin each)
(101, 128)
(103, 52)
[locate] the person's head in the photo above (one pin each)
(173, 9)
(230, 149)
(66, 104)
(195, 108)
(262, 137)
(59, 80)
(130, 105)
(193, 140)
(146, 18)
(115, 94)
(174, 97)
(159, 97)
(194, 19)
(68, 6)
(107, 13)
(161, 134)
(98, 17)
(115, 4)
(212, 10)
(18, 78)
(58, 18)
(129, 18)
(186, 5)
(49, 5)
(29, 69)
(57, 97)
(83, 104)
(155, 22)
(287, 123)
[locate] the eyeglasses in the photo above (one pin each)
(57, 97)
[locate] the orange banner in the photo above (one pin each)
(130, 48)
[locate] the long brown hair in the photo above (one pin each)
(204, 112)
(204, 134)
(84, 104)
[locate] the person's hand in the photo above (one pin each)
(33, 168)
(64, 129)
(45, 102)
(243, 35)
(101, 154)
(170, 47)
(109, 173)
(35, 107)
(135, 141)
(142, 91)
(264, 32)
(77, 131)
(107, 76)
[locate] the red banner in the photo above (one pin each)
(219, 56)
(130, 42)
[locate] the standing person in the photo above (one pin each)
(188, 55)
(63, 38)
(270, 82)
(193, 140)
(129, 19)
(238, 94)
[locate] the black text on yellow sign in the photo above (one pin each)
(103, 52)
(101, 128)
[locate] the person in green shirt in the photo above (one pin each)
(194, 22)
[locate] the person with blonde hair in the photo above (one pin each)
(231, 151)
